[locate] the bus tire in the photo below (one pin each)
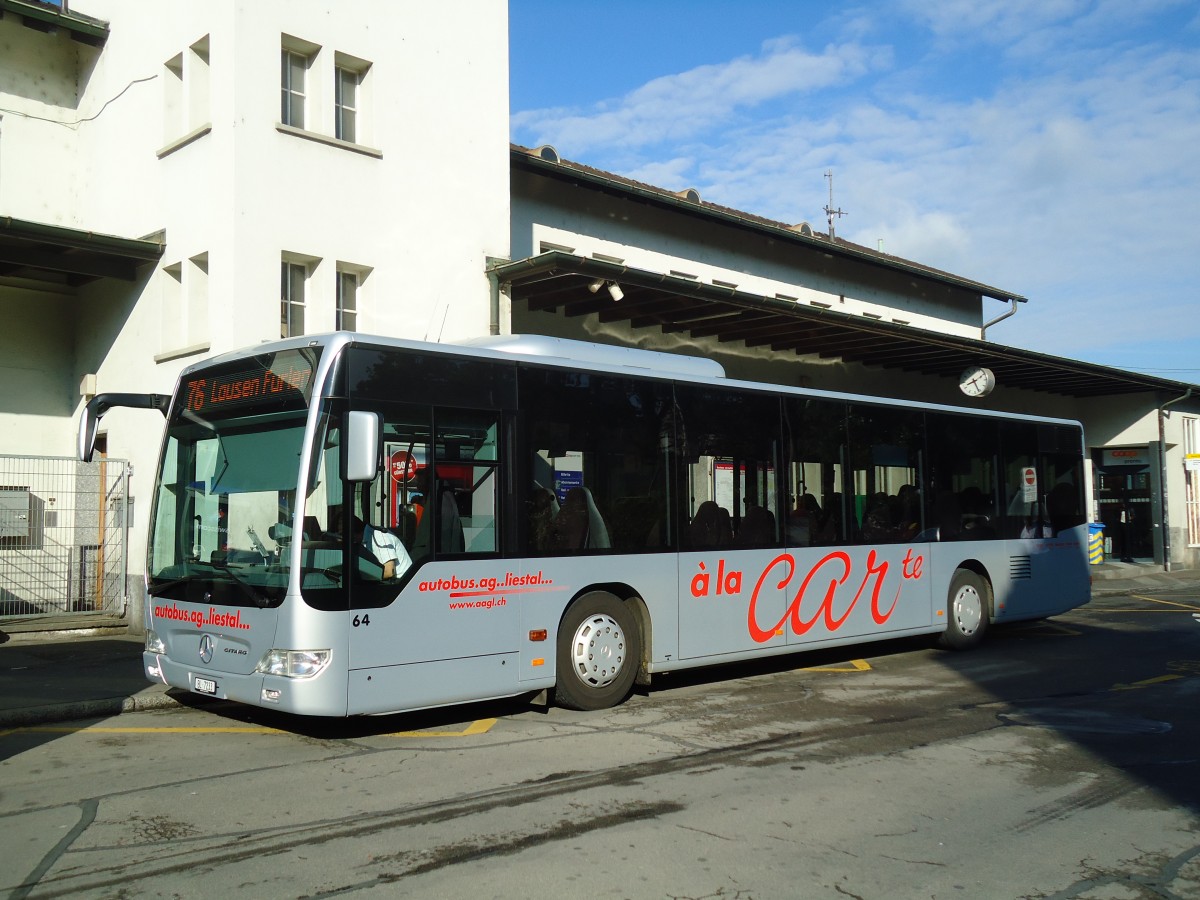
(968, 607)
(599, 653)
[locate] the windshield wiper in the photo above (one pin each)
(156, 590)
(225, 566)
(259, 600)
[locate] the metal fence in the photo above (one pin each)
(63, 535)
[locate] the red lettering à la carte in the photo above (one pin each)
(827, 579)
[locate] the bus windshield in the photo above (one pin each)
(227, 481)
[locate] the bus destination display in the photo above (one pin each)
(287, 377)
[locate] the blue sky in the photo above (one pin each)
(1047, 147)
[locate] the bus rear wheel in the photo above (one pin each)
(968, 606)
(599, 652)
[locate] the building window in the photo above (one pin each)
(347, 300)
(291, 298)
(1191, 446)
(293, 71)
(346, 104)
(351, 98)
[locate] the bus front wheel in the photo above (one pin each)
(599, 651)
(968, 606)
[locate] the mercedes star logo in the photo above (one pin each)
(206, 649)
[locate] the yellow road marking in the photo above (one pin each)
(479, 726)
(858, 665)
(1166, 602)
(1140, 610)
(1145, 682)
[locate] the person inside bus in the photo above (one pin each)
(381, 547)
(803, 522)
(908, 512)
(381, 555)
(1036, 526)
(877, 522)
(710, 528)
(757, 527)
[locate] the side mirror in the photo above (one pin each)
(85, 440)
(362, 445)
(89, 419)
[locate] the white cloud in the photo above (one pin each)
(678, 107)
(1070, 176)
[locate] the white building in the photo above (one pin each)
(178, 179)
(208, 158)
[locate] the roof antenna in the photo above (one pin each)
(830, 212)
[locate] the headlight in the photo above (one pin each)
(154, 644)
(293, 663)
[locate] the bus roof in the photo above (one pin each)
(573, 352)
(568, 353)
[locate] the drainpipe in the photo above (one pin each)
(999, 318)
(1162, 449)
(493, 295)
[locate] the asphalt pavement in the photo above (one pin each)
(63, 670)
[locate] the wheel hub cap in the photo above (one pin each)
(598, 650)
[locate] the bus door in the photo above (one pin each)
(857, 526)
(732, 591)
(1043, 520)
(426, 582)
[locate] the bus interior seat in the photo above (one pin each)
(758, 527)
(450, 536)
(578, 524)
(543, 507)
(711, 527)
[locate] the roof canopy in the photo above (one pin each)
(47, 17)
(52, 253)
(558, 282)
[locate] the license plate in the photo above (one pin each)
(206, 686)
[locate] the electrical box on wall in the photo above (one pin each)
(22, 518)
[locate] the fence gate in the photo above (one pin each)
(63, 535)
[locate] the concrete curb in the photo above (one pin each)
(86, 709)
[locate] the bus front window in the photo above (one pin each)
(225, 497)
(224, 508)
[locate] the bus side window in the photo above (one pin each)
(963, 474)
(599, 463)
(886, 452)
(729, 447)
(815, 453)
(462, 490)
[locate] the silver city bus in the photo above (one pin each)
(348, 525)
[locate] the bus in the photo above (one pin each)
(350, 525)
